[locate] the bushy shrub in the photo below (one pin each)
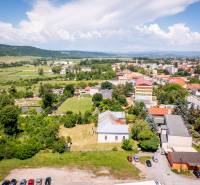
(126, 145)
(150, 144)
(27, 150)
(59, 145)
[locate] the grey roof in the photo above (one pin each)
(176, 126)
(191, 158)
(107, 123)
(106, 93)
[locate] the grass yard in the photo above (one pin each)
(84, 139)
(115, 162)
(75, 104)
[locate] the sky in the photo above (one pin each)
(102, 25)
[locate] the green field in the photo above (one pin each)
(116, 162)
(24, 72)
(75, 104)
(13, 59)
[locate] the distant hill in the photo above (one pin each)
(7, 50)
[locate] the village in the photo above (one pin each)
(150, 110)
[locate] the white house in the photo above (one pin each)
(94, 90)
(112, 127)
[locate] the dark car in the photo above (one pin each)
(6, 182)
(148, 163)
(39, 181)
(13, 182)
(129, 158)
(197, 173)
(48, 181)
(23, 182)
(31, 182)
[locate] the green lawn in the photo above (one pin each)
(116, 162)
(76, 104)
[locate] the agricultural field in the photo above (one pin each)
(24, 72)
(84, 139)
(75, 104)
(13, 59)
(115, 161)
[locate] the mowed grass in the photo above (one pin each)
(75, 104)
(116, 162)
(84, 138)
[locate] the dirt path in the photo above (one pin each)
(64, 176)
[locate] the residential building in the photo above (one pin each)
(184, 160)
(106, 93)
(193, 101)
(171, 69)
(158, 114)
(174, 135)
(112, 127)
(194, 89)
(86, 69)
(178, 80)
(94, 90)
(143, 90)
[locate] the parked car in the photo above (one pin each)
(6, 182)
(39, 181)
(13, 182)
(162, 152)
(136, 158)
(48, 181)
(197, 173)
(148, 163)
(129, 158)
(23, 182)
(155, 159)
(31, 182)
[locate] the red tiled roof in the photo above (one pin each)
(179, 81)
(142, 81)
(159, 111)
(193, 86)
(87, 88)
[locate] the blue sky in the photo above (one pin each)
(101, 25)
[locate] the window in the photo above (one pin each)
(106, 137)
(124, 137)
(116, 138)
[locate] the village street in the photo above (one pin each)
(161, 171)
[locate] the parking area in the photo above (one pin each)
(161, 171)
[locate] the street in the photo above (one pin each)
(161, 171)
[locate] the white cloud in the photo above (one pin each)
(177, 34)
(99, 22)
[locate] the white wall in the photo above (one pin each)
(93, 91)
(111, 138)
(178, 141)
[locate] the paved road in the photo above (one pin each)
(161, 171)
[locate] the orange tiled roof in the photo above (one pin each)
(179, 81)
(193, 86)
(159, 111)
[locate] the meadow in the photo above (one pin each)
(75, 104)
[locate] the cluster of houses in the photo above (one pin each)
(176, 142)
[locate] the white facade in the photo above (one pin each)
(94, 91)
(112, 138)
(179, 141)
